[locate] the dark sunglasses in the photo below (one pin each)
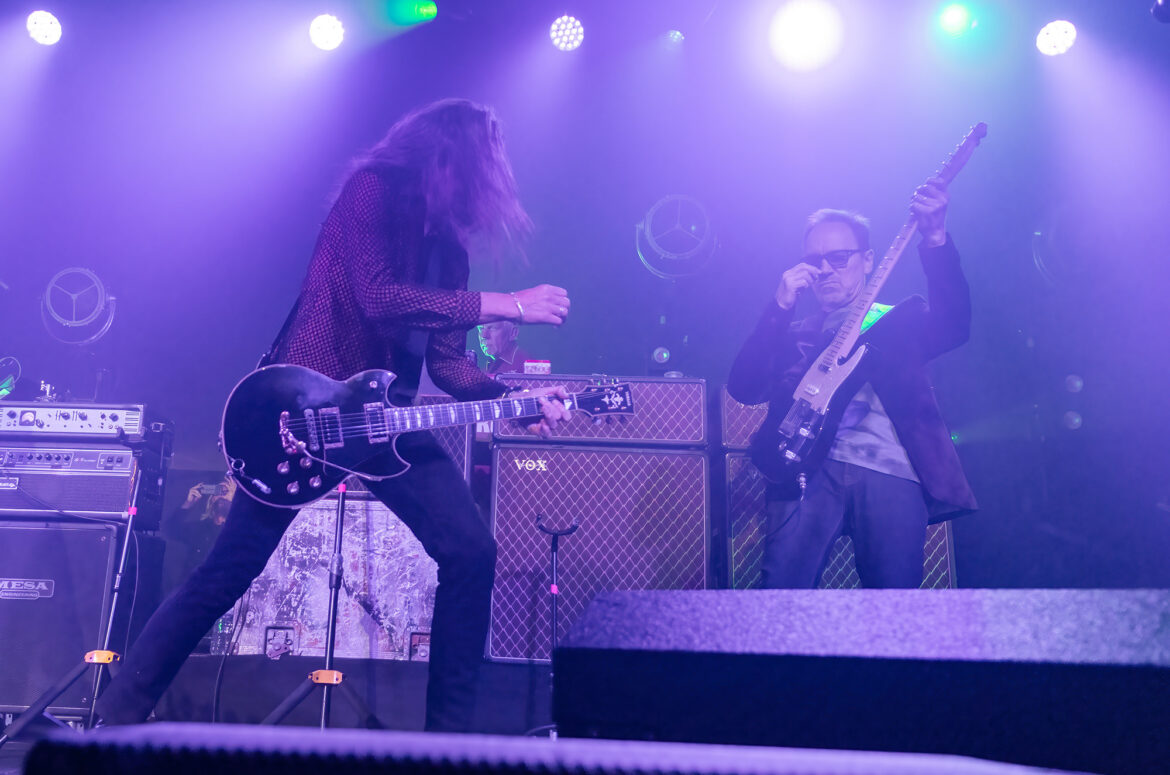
(838, 259)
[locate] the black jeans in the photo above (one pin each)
(434, 502)
(885, 515)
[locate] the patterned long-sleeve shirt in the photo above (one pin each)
(383, 293)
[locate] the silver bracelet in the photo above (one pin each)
(519, 308)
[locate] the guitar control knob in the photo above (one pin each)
(315, 482)
(293, 488)
(306, 462)
(283, 467)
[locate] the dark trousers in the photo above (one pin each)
(434, 502)
(885, 515)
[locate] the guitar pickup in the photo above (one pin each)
(377, 429)
(329, 426)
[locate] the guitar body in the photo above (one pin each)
(799, 444)
(269, 467)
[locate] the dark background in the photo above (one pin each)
(187, 152)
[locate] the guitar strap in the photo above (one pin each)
(267, 357)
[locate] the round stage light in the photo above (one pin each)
(566, 33)
(956, 19)
(326, 32)
(44, 28)
(675, 36)
(806, 34)
(1056, 38)
(1072, 420)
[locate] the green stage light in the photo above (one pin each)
(404, 13)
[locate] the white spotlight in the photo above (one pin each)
(44, 28)
(806, 34)
(1056, 38)
(326, 32)
(566, 33)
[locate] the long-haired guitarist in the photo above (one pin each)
(891, 467)
(386, 288)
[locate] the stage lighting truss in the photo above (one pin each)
(75, 308)
(676, 238)
(566, 33)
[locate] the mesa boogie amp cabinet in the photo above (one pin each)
(643, 525)
(667, 412)
(55, 579)
(745, 521)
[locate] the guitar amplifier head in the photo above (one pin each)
(666, 412)
(739, 421)
(745, 526)
(643, 525)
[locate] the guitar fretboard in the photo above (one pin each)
(415, 418)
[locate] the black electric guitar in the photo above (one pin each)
(290, 434)
(802, 440)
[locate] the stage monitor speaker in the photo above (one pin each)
(644, 525)
(745, 544)
(234, 749)
(55, 581)
(1077, 679)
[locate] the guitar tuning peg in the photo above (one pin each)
(597, 420)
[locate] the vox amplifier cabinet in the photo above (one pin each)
(745, 524)
(738, 421)
(643, 518)
(55, 580)
(386, 601)
(671, 412)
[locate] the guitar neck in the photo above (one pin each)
(850, 329)
(400, 419)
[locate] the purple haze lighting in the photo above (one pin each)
(44, 28)
(326, 32)
(566, 33)
(806, 34)
(1056, 37)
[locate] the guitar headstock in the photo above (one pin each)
(606, 400)
(962, 153)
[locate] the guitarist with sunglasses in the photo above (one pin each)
(386, 288)
(891, 468)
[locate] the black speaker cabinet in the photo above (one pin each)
(54, 591)
(644, 525)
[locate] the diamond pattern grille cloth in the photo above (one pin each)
(665, 412)
(643, 526)
(745, 516)
(739, 421)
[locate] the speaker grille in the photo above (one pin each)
(643, 518)
(745, 518)
(666, 411)
(45, 633)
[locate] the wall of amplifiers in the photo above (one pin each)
(69, 476)
(666, 499)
